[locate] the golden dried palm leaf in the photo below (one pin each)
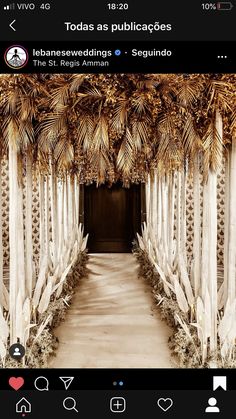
(120, 115)
(14, 131)
(190, 139)
(212, 145)
(219, 95)
(99, 150)
(148, 82)
(76, 82)
(91, 93)
(10, 102)
(52, 127)
(188, 91)
(125, 158)
(166, 85)
(9, 132)
(140, 105)
(91, 99)
(27, 108)
(18, 109)
(86, 128)
(100, 136)
(140, 134)
(59, 96)
(170, 151)
(63, 153)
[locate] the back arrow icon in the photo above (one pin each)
(11, 25)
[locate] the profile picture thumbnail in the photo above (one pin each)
(16, 57)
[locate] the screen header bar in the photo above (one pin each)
(118, 57)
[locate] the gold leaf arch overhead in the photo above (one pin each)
(107, 127)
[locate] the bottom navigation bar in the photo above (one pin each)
(151, 403)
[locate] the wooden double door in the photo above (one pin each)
(112, 217)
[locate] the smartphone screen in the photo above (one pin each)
(117, 209)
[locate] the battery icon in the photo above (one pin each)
(224, 5)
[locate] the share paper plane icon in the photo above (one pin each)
(67, 381)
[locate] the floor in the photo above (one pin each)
(112, 322)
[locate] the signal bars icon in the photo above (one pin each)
(9, 6)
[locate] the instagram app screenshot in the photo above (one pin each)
(117, 209)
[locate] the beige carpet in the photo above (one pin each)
(112, 322)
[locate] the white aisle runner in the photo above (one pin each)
(112, 322)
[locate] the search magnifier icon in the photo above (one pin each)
(41, 384)
(70, 404)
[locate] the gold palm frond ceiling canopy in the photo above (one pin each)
(117, 126)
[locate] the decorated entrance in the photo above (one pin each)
(97, 162)
(112, 217)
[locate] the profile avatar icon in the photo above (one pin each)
(212, 408)
(16, 57)
(17, 351)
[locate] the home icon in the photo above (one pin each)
(23, 406)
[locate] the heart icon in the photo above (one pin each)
(16, 382)
(165, 404)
